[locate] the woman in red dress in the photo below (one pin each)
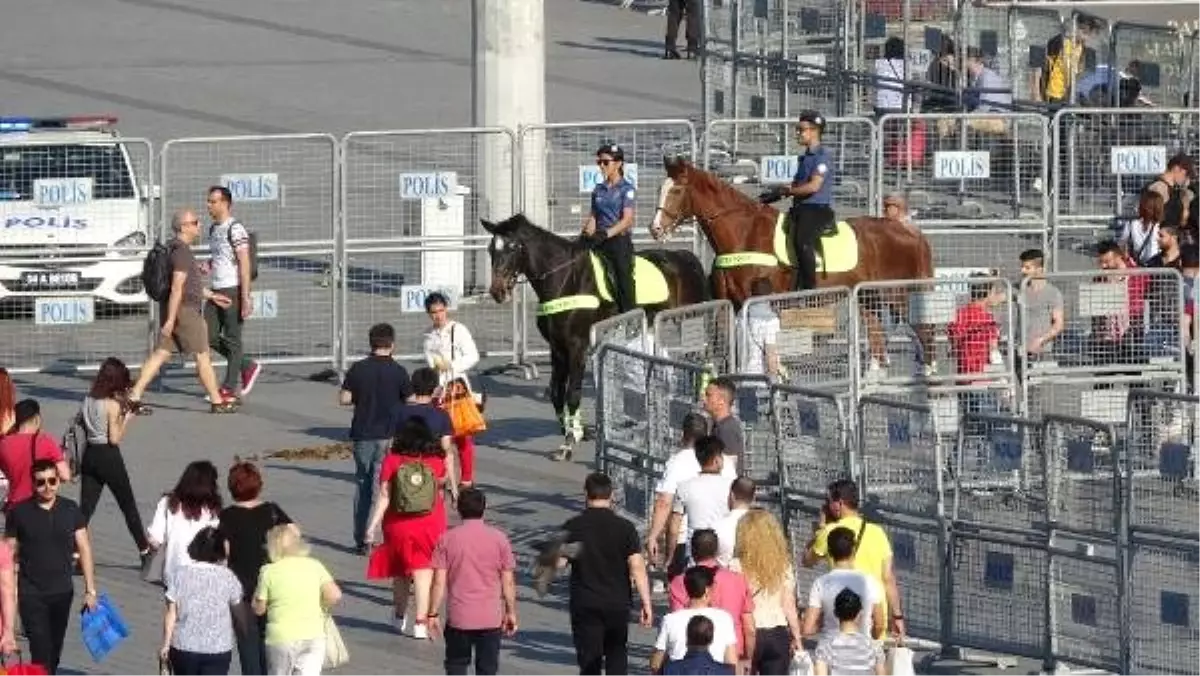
(406, 555)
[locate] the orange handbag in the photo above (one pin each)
(459, 403)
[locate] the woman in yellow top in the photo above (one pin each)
(295, 591)
(873, 554)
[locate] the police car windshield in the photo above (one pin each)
(20, 166)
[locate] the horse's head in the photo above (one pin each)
(509, 253)
(674, 197)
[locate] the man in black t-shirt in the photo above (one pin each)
(46, 531)
(377, 387)
(607, 553)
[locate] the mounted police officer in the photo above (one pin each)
(811, 215)
(609, 225)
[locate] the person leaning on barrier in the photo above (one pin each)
(873, 550)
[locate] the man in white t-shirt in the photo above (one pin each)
(819, 616)
(230, 272)
(672, 643)
(704, 499)
(679, 468)
(760, 334)
(741, 498)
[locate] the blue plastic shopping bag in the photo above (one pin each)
(102, 629)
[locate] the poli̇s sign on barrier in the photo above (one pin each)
(428, 184)
(61, 192)
(1138, 160)
(412, 297)
(252, 187)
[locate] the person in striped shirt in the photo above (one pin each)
(849, 652)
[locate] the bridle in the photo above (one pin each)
(514, 278)
(676, 217)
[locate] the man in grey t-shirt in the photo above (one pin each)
(1043, 306)
(718, 403)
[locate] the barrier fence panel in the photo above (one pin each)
(295, 308)
(628, 330)
(1163, 61)
(1088, 623)
(976, 182)
(638, 430)
(701, 334)
(1163, 611)
(765, 152)
(955, 331)
(810, 331)
(52, 321)
(558, 163)
(1121, 330)
(284, 186)
(812, 434)
(1105, 157)
(375, 291)
(429, 185)
(1160, 463)
(902, 467)
(998, 538)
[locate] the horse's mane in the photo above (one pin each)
(713, 183)
(518, 225)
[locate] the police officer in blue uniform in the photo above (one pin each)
(609, 225)
(811, 215)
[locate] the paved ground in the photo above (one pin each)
(528, 495)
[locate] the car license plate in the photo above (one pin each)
(46, 279)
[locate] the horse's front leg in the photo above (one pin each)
(558, 391)
(574, 394)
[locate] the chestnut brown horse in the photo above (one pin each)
(742, 232)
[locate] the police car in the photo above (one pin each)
(69, 197)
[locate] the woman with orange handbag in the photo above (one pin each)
(450, 350)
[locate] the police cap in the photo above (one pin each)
(612, 150)
(814, 118)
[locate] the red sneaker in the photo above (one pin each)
(250, 376)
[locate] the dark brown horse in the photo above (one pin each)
(737, 224)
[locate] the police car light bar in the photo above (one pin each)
(75, 123)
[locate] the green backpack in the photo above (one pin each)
(413, 490)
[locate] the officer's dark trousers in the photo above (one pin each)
(807, 222)
(677, 11)
(619, 252)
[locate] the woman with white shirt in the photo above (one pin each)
(450, 350)
(1140, 236)
(193, 505)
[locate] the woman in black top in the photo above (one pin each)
(245, 524)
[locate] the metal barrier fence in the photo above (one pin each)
(373, 289)
(643, 400)
(703, 333)
(765, 151)
(1105, 157)
(284, 187)
(976, 182)
(811, 333)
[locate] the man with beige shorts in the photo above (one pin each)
(182, 315)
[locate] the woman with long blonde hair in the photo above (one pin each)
(764, 556)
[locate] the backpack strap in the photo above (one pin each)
(858, 538)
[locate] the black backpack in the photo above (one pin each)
(156, 272)
(252, 240)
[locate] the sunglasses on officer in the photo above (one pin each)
(605, 161)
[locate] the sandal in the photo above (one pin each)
(224, 407)
(136, 407)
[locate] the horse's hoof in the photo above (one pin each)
(564, 453)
